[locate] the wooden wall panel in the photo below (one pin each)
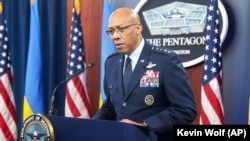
(195, 77)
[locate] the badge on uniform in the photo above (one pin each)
(150, 65)
(149, 99)
(150, 79)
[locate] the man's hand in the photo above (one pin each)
(132, 122)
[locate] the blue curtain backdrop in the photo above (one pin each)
(236, 68)
(236, 59)
(52, 14)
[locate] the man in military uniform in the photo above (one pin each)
(157, 94)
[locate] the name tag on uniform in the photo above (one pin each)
(150, 79)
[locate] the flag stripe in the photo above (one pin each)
(213, 95)
(74, 112)
(1, 133)
(7, 133)
(80, 97)
(7, 95)
(203, 117)
(83, 100)
(9, 122)
(208, 110)
(219, 80)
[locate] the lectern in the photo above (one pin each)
(59, 128)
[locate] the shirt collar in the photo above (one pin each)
(136, 54)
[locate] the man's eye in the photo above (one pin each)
(110, 32)
(121, 29)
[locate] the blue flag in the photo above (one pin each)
(33, 97)
(107, 45)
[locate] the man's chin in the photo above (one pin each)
(121, 51)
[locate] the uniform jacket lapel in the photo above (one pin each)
(119, 72)
(139, 70)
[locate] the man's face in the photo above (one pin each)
(124, 33)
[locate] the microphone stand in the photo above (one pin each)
(52, 109)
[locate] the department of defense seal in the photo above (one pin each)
(37, 128)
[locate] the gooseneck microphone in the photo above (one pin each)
(52, 109)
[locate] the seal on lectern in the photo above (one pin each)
(37, 128)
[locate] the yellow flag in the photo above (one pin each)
(249, 111)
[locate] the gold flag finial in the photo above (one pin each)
(77, 6)
(1, 7)
(32, 2)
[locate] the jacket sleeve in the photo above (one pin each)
(107, 111)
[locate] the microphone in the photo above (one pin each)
(53, 110)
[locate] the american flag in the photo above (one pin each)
(77, 100)
(211, 92)
(8, 118)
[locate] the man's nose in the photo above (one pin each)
(116, 35)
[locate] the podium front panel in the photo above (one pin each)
(74, 129)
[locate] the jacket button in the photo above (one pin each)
(124, 104)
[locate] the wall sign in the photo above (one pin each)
(179, 25)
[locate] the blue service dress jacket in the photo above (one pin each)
(158, 94)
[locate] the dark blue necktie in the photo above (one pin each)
(127, 73)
